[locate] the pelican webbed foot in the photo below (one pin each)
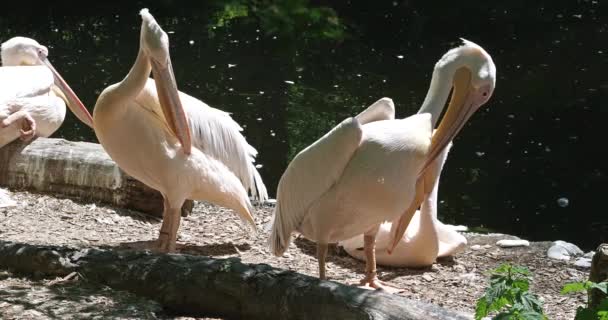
(28, 125)
(371, 281)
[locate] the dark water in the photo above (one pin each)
(530, 163)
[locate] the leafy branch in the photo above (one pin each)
(509, 296)
(589, 313)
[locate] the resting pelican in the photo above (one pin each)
(426, 238)
(185, 151)
(372, 168)
(33, 95)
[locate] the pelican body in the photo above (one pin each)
(33, 95)
(374, 168)
(173, 142)
(426, 238)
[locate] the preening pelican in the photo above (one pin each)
(373, 168)
(173, 142)
(33, 95)
(426, 238)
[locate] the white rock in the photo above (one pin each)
(475, 247)
(510, 243)
(561, 250)
(583, 262)
(589, 255)
(459, 228)
(5, 199)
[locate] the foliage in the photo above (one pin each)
(588, 313)
(508, 294)
(286, 18)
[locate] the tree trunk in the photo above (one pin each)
(200, 286)
(599, 273)
(75, 170)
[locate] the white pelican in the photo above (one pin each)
(426, 238)
(372, 168)
(185, 151)
(32, 94)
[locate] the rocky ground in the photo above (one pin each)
(40, 219)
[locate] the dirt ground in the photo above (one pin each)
(40, 219)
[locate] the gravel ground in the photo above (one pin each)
(454, 283)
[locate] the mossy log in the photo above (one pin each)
(201, 286)
(599, 273)
(79, 170)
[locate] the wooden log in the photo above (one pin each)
(598, 273)
(201, 286)
(79, 170)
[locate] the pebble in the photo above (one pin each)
(510, 243)
(583, 263)
(589, 255)
(562, 250)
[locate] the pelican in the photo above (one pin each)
(373, 168)
(173, 142)
(33, 95)
(426, 238)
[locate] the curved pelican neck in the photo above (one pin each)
(439, 90)
(135, 80)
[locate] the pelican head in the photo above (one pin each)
(474, 79)
(22, 51)
(155, 44)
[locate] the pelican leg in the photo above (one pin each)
(167, 237)
(371, 277)
(321, 255)
(28, 125)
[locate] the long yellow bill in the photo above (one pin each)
(460, 109)
(73, 102)
(173, 110)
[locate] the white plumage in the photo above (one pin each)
(173, 142)
(33, 95)
(374, 168)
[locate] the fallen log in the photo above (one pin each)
(201, 286)
(79, 170)
(598, 273)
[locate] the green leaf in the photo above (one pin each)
(602, 286)
(584, 314)
(602, 315)
(530, 302)
(574, 287)
(505, 316)
(522, 284)
(532, 315)
(481, 309)
(520, 270)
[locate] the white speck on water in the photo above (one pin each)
(359, 75)
(230, 65)
(289, 82)
(230, 89)
(400, 56)
(191, 42)
(261, 92)
(212, 67)
(384, 80)
(258, 166)
(336, 86)
(480, 153)
(563, 202)
(259, 119)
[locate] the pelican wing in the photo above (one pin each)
(24, 82)
(216, 134)
(315, 169)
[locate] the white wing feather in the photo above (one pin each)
(315, 169)
(24, 82)
(217, 135)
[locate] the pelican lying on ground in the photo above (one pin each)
(173, 142)
(373, 168)
(426, 238)
(33, 95)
